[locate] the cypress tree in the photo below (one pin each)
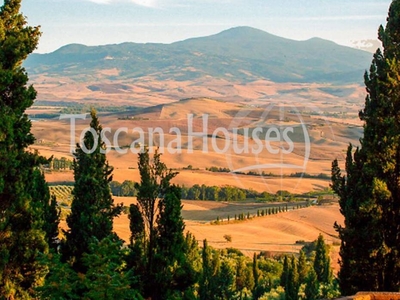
(22, 237)
(312, 286)
(259, 286)
(370, 193)
(136, 226)
(215, 271)
(45, 206)
(322, 261)
(154, 182)
(226, 281)
(302, 267)
(285, 272)
(106, 277)
(292, 283)
(92, 208)
(173, 272)
(206, 276)
(157, 232)
(136, 257)
(256, 272)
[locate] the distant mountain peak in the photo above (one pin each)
(239, 54)
(71, 48)
(243, 29)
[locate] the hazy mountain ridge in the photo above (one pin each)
(241, 54)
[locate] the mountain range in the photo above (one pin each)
(241, 54)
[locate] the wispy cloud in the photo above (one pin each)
(164, 3)
(146, 3)
(338, 18)
(101, 1)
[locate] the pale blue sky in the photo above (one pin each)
(95, 22)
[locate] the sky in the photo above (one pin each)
(99, 22)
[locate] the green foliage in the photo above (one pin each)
(106, 277)
(292, 282)
(228, 238)
(312, 286)
(322, 262)
(52, 220)
(92, 208)
(261, 278)
(62, 282)
(285, 273)
(226, 280)
(46, 207)
(163, 258)
(214, 193)
(22, 216)
(256, 271)
(369, 193)
(220, 170)
(125, 189)
(173, 270)
(275, 294)
(60, 164)
(205, 284)
(302, 267)
(244, 275)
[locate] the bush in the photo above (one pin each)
(228, 238)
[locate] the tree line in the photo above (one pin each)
(212, 193)
(215, 169)
(62, 163)
(260, 213)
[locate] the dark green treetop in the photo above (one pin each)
(22, 237)
(92, 208)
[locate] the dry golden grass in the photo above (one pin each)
(273, 233)
(328, 141)
(149, 91)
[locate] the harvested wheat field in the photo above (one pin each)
(274, 233)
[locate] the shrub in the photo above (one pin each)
(228, 238)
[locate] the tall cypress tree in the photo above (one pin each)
(205, 284)
(47, 213)
(92, 208)
(292, 283)
(312, 286)
(302, 267)
(322, 261)
(153, 188)
(172, 269)
(370, 193)
(256, 271)
(160, 254)
(21, 232)
(285, 271)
